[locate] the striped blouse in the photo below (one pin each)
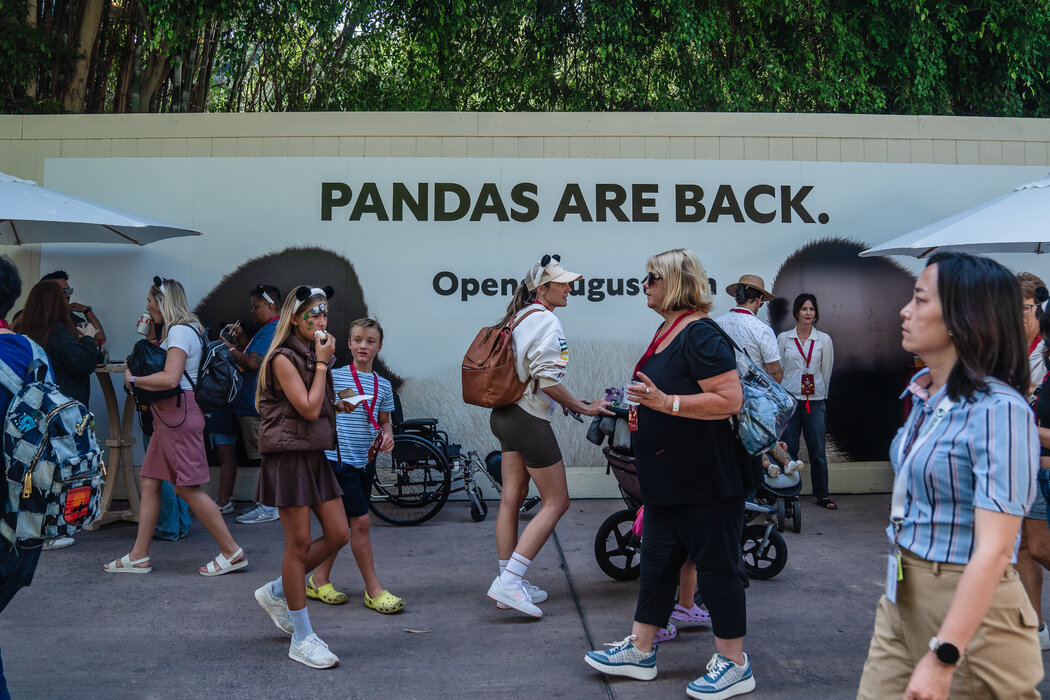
(984, 454)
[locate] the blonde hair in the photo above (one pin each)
(281, 333)
(1029, 283)
(685, 282)
(368, 323)
(174, 309)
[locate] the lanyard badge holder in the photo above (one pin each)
(377, 441)
(809, 383)
(632, 407)
(905, 454)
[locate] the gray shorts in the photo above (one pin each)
(519, 431)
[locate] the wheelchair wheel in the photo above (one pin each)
(479, 510)
(781, 514)
(796, 516)
(617, 549)
(412, 483)
(763, 562)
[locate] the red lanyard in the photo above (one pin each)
(657, 339)
(742, 311)
(805, 357)
(375, 394)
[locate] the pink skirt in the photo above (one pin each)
(176, 450)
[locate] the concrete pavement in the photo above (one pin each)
(80, 633)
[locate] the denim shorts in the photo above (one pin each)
(220, 439)
(1038, 510)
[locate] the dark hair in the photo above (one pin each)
(56, 275)
(271, 291)
(981, 306)
(45, 308)
(745, 294)
(10, 285)
(1044, 332)
(802, 299)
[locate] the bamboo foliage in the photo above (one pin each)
(872, 56)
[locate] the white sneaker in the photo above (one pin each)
(773, 471)
(259, 514)
(59, 543)
(312, 652)
(226, 509)
(536, 595)
(1044, 637)
(277, 608)
(513, 597)
(793, 467)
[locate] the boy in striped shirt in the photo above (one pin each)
(356, 431)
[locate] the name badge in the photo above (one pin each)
(894, 573)
(809, 385)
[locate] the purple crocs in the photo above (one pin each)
(693, 614)
(666, 634)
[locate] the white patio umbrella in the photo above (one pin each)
(33, 214)
(1017, 222)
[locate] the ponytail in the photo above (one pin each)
(522, 298)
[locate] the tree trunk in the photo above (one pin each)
(156, 71)
(73, 101)
(31, 21)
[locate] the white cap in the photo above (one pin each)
(541, 274)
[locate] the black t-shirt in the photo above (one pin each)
(686, 460)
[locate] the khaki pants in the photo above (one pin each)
(250, 433)
(1003, 659)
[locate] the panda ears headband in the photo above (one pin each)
(260, 291)
(303, 293)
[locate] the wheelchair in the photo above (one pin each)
(413, 482)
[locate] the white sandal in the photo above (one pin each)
(225, 565)
(124, 565)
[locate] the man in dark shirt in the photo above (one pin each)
(88, 314)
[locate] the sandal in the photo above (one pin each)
(124, 565)
(693, 614)
(666, 634)
(221, 565)
(386, 602)
(827, 503)
(325, 593)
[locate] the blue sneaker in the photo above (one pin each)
(723, 679)
(624, 659)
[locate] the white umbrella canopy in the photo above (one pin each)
(33, 214)
(1017, 222)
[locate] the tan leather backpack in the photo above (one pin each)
(489, 376)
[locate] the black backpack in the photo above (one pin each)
(218, 377)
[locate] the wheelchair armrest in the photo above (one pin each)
(417, 424)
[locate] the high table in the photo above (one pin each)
(121, 424)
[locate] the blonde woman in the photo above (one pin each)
(296, 404)
(176, 450)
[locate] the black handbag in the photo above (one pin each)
(147, 358)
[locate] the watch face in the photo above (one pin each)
(947, 653)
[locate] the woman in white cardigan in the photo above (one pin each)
(807, 356)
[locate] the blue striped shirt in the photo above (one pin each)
(354, 429)
(983, 454)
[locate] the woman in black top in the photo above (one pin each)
(73, 352)
(690, 468)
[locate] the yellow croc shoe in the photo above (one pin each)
(325, 593)
(386, 603)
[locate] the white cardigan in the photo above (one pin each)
(794, 364)
(541, 356)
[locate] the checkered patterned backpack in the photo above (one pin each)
(52, 463)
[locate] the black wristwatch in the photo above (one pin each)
(87, 309)
(946, 652)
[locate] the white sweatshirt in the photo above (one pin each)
(541, 356)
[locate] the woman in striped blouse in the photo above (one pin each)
(955, 618)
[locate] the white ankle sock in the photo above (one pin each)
(503, 565)
(515, 571)
(301, 622)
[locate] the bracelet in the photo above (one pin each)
(321, 362)
(675, 405)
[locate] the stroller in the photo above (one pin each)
(618, 550)
(781, 493)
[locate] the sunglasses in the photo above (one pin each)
(68, 291)
(651, 277)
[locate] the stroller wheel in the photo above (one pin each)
(796, 516)
(781, 514)
(763, 561)
(617, 549)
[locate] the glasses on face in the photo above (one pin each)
(253, 307)
(651, 277)
(1025, 308)
(68, 291)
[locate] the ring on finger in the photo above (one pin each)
(647, 390)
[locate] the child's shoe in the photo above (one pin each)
(693, 614)
(773, 471)
(793, 467)
(666, 634)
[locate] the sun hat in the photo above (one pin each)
(752, 282)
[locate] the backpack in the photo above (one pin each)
(218, 377)
(767, 404)
(489, 375)
(52, 462)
